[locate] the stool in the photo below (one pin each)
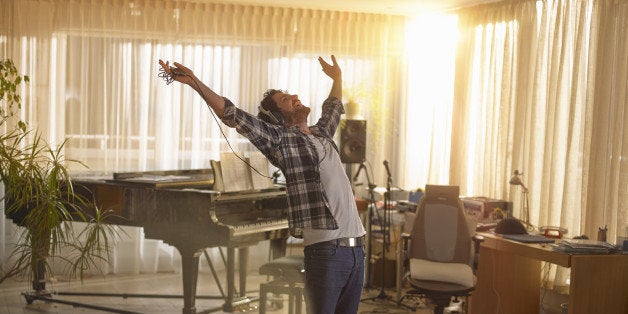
(288, 278)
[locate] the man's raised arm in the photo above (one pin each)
(184, 75)
(334, 72)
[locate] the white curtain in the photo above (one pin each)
(426, 142)
(94, 73)
(93, 66)
(541, 88)
(607, 164)
(546, 90)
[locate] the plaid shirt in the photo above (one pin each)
(293, 152)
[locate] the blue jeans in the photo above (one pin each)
(334, 276)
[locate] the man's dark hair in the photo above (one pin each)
(269, 104)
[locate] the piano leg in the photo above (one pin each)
(233, 303)
(189, 270)
(243, 258)
(227, 307)
(190, 259)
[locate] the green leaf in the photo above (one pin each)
(37, 181)
(21, 125)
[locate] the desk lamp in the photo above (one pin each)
(525, 206)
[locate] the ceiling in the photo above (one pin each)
(394, 7)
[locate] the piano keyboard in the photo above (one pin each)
(260, 226)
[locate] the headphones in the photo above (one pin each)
(270, 116)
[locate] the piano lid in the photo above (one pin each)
(166, 179)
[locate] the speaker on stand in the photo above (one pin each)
(352, 141)
(352, 148)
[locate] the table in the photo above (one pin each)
(509, 279)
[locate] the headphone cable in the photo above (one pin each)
(170, 77)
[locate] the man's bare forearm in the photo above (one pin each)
(336, 88)
(184, 75)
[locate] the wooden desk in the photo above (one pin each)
(509, 279)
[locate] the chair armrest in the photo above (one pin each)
(477, 241)
(404, 239)
(402, 249)
(402, 262)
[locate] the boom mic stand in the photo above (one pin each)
(368, 219)
(384, 228)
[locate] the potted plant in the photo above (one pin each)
(39, 195)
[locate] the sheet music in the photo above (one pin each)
(218, 181)
(258, 161)
(236, 174)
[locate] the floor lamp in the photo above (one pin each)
(525, 205)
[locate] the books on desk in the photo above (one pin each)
(528, 238)
(582, 246)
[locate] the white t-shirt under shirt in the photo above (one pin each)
(339, 195)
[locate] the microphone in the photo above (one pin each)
(358, 173)
(387, 170)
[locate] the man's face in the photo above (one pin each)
(291, 108)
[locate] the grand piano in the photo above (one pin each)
(181, 208)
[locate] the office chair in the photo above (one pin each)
(437, 251)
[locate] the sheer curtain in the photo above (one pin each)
(93, 69)
(541, 88)
(427, 141)
(607, 163)
(547, 90)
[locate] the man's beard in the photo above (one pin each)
(297, 116)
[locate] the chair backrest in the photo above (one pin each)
(440, 232)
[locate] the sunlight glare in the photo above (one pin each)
(431, 53)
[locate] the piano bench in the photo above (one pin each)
(288, 278)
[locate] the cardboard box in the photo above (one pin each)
(483, 209)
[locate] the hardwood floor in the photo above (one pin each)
(11, 300)
(170, 283)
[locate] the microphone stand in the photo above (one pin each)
(384, 228)
(369, 218)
